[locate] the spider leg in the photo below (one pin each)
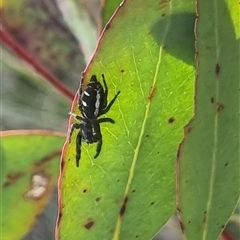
(73, 127)
(101, 120)
(80, 87)
(79, 118)
(105, 91)
(110, 104)
(98, 149)
(78, 148)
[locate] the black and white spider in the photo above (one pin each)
(92, 103)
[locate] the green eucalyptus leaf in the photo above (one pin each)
(209, 158)
(128, 192)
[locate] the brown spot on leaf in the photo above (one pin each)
(97, 199)
(182, 226)
(133, 191)
(163, 4)
(147, 136)
(151, 93)
(220, 107)
(163, 15)
(108, 25)
(179, 152)
(217, 69)
(59, 218)
(178, 209)
(226, 164)
(152, 203)
(62, 162)
(123, 207)
(84, 190)
(89, 224)
(212, 100)
(204, 217)
(189, 222)
(171, 120)
(122, 71)
(187, 129)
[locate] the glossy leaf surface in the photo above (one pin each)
(128, 192)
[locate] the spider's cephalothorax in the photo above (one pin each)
(92, 103)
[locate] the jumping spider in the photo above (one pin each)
(92, 103)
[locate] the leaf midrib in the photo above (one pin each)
(117, 228)
(215, 133)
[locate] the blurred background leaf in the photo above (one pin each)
(38, 26)
(30, 163)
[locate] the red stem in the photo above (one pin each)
(7, 39)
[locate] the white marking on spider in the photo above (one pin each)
(93, 130)
(86, 93)
(97, 104)
(84, 104)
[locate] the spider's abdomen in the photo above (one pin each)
(91, 102)
(91, 131)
